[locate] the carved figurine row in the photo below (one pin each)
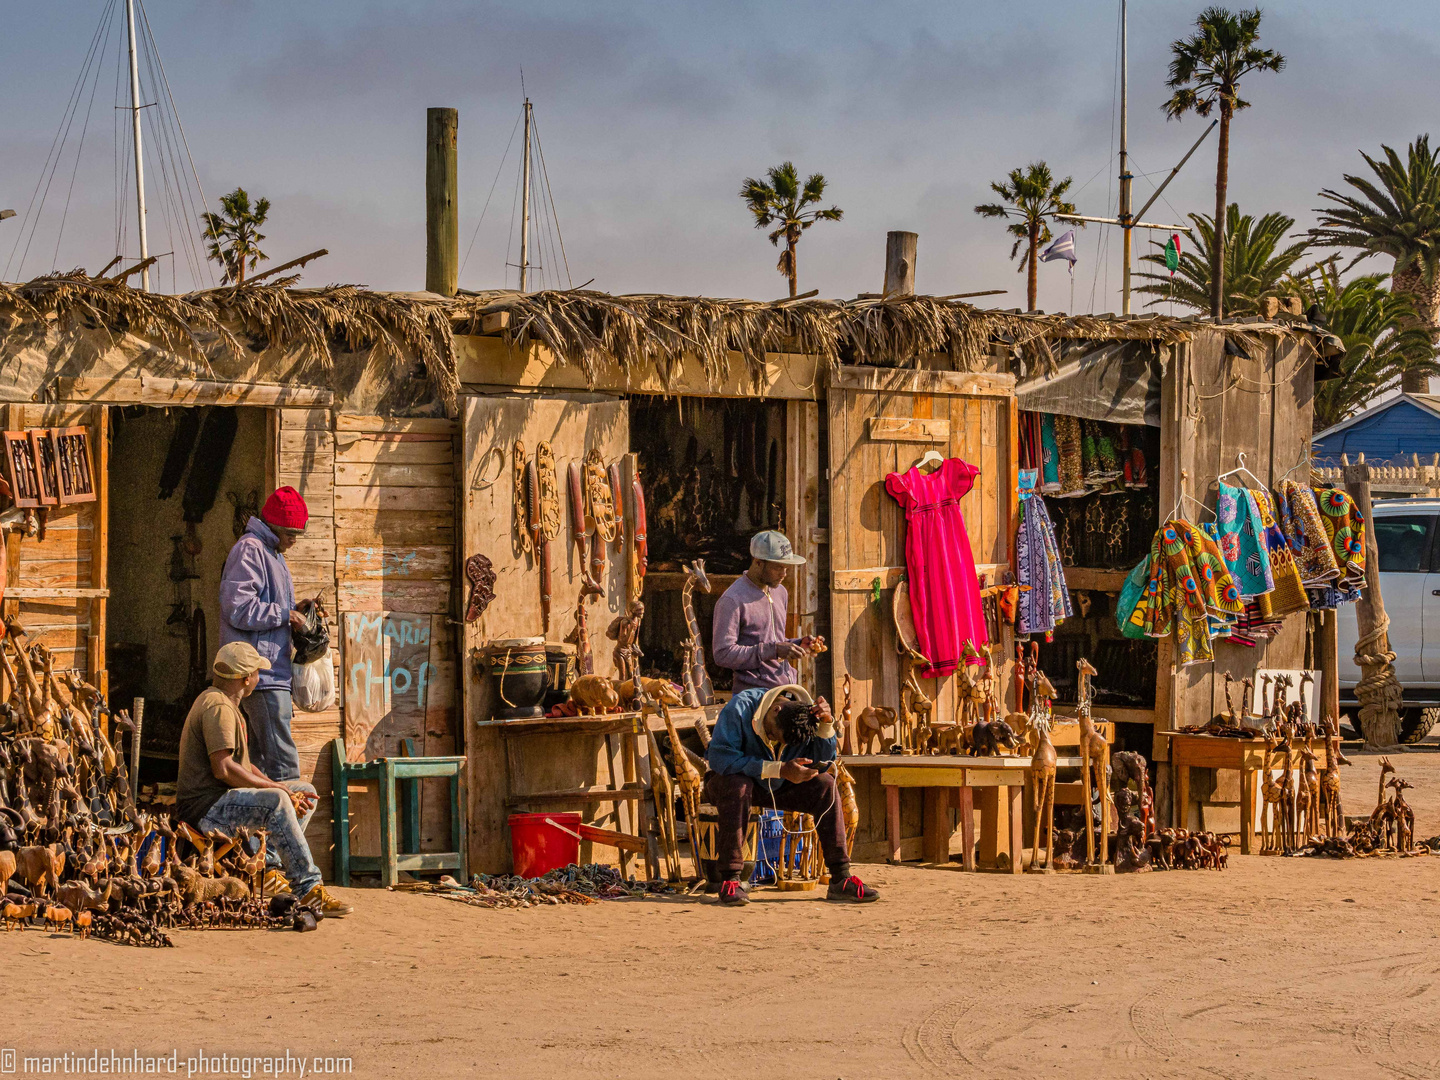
(1390, 827)
(75, 851)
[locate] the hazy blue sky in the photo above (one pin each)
(652, 114)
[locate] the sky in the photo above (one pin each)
(652, 114)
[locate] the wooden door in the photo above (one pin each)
(883, 420)
(572, 425)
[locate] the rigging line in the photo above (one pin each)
(552, 275)
(56, 142)
(514, 205)
(554, 213)
(79, 150)
(476, 233)
(119, 159)
(172, 175)
(179, 124)
(1101, 245)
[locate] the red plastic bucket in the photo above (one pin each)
(538, 846)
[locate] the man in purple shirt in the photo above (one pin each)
(748, 634)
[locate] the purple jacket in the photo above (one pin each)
(749, 625)
(256, 598)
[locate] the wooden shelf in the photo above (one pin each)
(1091, 579)
(674, 581)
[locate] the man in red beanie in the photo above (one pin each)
(257, 606)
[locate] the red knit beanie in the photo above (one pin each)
(286, 509)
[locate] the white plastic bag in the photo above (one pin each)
(312, 688)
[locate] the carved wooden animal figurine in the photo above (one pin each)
(872, 722)
(655, 690)
(1094, 765)
(691, 785)
(1287, 800)
(1334, 811)
(916, 706)
(849, 805)
(1404, 817)
(40, 867)
(1307, 811)
(848, 737)
(988, 736)
(593, 695)
(57, 917)
(1042, 785)
(579, 636)
(664, 793)
(624, 630)
(7, 870)
(16, 914)
(1271, 792)
(698, 690)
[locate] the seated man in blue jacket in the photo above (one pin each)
(761, 753)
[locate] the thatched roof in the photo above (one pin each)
(590, 329)
(584, 328)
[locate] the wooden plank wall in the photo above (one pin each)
(572, 424)
(867, 533)
(394, 506)
(1219, 405)
(70, 557)
(305, 448)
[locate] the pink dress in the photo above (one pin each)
(944, 591)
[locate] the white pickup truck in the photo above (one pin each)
(1407, 532)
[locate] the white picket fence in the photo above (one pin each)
(1396, 477)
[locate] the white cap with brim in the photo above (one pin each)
(792, 692)
(773, 546)
(238, 660)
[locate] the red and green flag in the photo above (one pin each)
(1172, 253)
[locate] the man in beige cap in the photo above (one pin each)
(219, 789)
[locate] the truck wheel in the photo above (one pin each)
(1415, 724)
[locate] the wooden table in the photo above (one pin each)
(960, 775)
(1247, 756)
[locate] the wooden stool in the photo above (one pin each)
(407, 772)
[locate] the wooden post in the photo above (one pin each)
(442, 210)
(900, 263)
(1327, 659)
(1378, 690)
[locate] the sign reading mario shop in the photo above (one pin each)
(387, 681)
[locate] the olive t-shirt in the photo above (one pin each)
(213, 723)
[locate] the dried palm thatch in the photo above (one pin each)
(111, 306)
(394, 329)
(592, 329)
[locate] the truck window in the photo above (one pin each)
(1404, 543)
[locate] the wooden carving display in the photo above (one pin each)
(698, 691)
(1042, 771)
(73, 464)
(521, 501)
(691, 784)
(1094, 763)
(21, 470)
(1334, 810)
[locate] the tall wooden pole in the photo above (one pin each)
(442, 203)
(900, 263)
(1378, 690)
(1126, 220)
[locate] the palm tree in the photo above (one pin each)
(1206, 70)
(1255, 264)
(1383, 340)
(782, 202)
(1031, 197)
(235, 235)
(1399, 216)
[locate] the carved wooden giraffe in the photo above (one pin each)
(1271, 792)
(1094, 758)
(698, 691)
(1307, 813)
(691, 783)
(1334, 812)
(1042, 778)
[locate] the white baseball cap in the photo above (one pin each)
(773, 546)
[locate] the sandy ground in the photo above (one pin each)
(1273, 968)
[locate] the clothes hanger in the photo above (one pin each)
(1304, 460)
(1181, 501)
(932, 457)
(1241, 469)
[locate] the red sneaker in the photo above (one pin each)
(732, 894)
(851, 891)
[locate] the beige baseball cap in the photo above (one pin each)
(239, 660)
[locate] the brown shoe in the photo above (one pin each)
(275, 883)
(328, 906)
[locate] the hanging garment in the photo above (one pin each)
(1289, 594)
(944, 592)
(1068, 439)
(1044, 598)
(1137, 473)
(1188, 580)
(1345, 529)
(1242, 541)
(1300, 521)
(1049, 456)
(1107, 459)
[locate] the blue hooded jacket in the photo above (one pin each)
(736, 748)
(256, 598)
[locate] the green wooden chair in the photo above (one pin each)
(398, 776)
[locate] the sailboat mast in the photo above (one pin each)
(1126, 220)
(525, 206)
(139, 155)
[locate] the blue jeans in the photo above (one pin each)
(271, 810)
(272, 748)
